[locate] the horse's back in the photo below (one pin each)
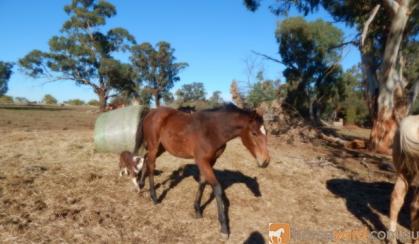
(172, 129)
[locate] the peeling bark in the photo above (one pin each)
(101, 92)
(391, 105)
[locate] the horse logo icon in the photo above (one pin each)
(279, 233)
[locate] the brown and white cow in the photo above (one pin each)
(129, 164)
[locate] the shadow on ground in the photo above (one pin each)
(364, 200)
(226, 178)
(255, 238)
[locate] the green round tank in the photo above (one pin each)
(116, 130)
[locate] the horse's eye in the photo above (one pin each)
(254, 133)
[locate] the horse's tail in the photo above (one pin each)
(139, 141)
(406, 145)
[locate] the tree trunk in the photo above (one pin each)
(102, 99)
(383, 130)
(157, 99)
(387, 117)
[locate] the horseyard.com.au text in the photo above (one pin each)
(283, 233)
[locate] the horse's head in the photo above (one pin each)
(254, 138)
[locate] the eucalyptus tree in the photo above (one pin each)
(84, 52)
(311, 63)
(386, 30)
(5, 73)
(191, 92)
(156, 68)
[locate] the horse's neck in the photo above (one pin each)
(233, 125)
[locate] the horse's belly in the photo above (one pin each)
(177, 146)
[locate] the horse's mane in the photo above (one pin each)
(231, 108)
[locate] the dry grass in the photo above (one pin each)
(54, 188)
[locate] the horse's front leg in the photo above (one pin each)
(207, 171)
(151, 165)
(141, 180)
(198, 197)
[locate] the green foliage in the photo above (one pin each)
(191, 92)
(215, 99)
(411, 53)
(93, 102)
(144, 97)
(354, 107)
(6, 99)
(5, 73)
(83, 53)
(355, 14)
(262, 91)
(168, 98)
(157, 67)
(49, 99)
(120, 100)
(21, 100)
(75, 102)
(282, 7)
(415, 108)
(312, 70)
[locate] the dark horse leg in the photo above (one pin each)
(146, 169)
(151, 164)
(143, 173)
(207, 171)
(198, 197)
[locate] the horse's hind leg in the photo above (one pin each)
(198, 197)
(397, 200)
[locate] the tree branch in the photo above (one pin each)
(353, 42)
(367, 24)
(392, 5)
(267, 57)
(50, 79)
(413, 94)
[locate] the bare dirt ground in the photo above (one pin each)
(54, 188)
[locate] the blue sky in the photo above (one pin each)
(214, 37)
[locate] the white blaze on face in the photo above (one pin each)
(262, 129)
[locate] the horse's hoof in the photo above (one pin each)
(155, 201)
(224, 236)
(198, 215)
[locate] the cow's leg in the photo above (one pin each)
(208, 173)
(397, 200)
(198, 197)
